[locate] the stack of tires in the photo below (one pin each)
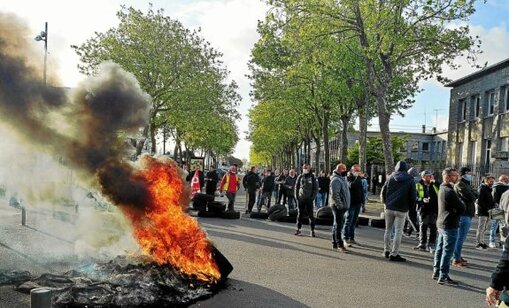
(324, 216)
(277, 211)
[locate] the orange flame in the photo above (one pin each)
(163, 230)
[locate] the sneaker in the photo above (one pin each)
(397, 258)
(386, 254)
(484, 245)
(448, 281)
(480, 247)
(492, 245)
(297, 232)
(313, 233)
(420, 247)
(348, 243)
(354, 242)
(435, 275)
(343, 249)
(458, 263)
(463, 260)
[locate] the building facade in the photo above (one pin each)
(479, 120)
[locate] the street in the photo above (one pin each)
(274, 268)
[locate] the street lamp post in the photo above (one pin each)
(44, 37)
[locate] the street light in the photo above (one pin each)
(44, 37)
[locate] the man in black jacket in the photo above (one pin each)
(468, 195)
(427, 208)
(306, 188)
(280, 181)
(450, 208)
(484, 204)
(398, 194)
(251, 182)
(354, 179)
(212, 179)
(268, 186)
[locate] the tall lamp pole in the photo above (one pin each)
(44, 37)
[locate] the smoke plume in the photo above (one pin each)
(81, 126)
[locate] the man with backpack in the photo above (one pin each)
(306, 188)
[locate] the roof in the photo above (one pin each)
(485, 71)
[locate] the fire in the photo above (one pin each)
(163, 230)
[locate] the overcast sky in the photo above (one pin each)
(230, 26)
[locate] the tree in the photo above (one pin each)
(402, 42)
(179, 70)
(373, 153)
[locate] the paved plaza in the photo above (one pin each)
(274, 268)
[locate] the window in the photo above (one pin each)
(491, 103)
(460, 153)
(504, 144)
(488, 152)
(506, 98)
(473, 153)
(477, 105)
(425, 146)
(463, 110)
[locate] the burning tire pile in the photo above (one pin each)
(121, 283)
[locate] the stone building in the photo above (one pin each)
(479, 120)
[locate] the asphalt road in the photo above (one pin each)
(274, 268)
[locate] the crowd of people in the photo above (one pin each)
(441, 211)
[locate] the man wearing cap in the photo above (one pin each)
(468, 195)
(427, 208)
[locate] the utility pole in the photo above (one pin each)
(44, 37)
(436, 116)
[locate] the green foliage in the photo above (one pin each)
(373, 150)
(178, 69)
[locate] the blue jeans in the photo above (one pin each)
(321, 200)
(464, 227)
(444, 250)
(351, 220)
(337, 226)
(493, 232)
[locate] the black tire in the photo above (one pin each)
(290, 219)
(261, 215)
(324, 221)
(216, 206)
(363, 221)
(378, 223)
(204, 197)
(206, 214)
(293, 212)
(230, 215)
(275, 207)
(199, 205)
(276, 215)
(324, 213)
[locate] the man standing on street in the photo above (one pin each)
(498, 189)
(211, 178)
(484, 204)
(468, 195)
(427, 208)
(500, 280)
(450, 208)
(398, 194)
(230, 185)
(339, 200)
(306, 188)
(251, 182)
(354, 179)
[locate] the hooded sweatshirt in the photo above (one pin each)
(398, 192)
